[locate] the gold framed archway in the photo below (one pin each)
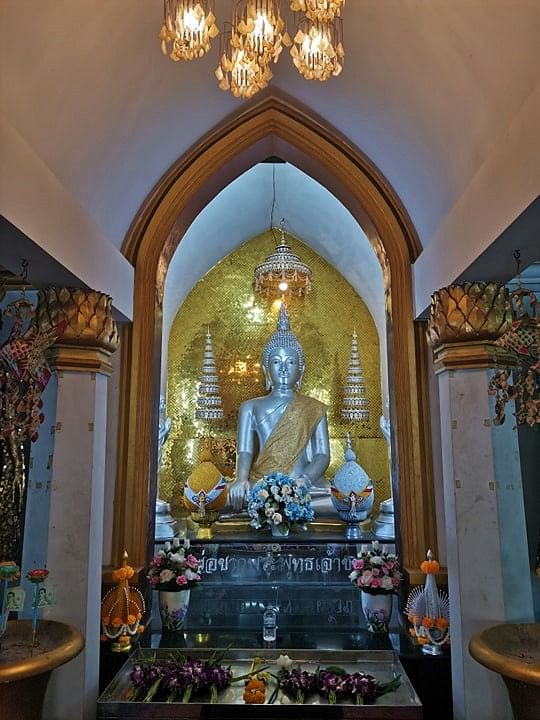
(273, 126)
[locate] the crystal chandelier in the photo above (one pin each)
(283, 273)
(188, 27)
(318, 52)
(324, 10)
(255, 39)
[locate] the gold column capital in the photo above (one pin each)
(472, 354)
(90, 336)
(468, 312)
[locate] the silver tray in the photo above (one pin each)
(402, 704)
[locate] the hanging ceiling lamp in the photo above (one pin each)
(325, 10)
(259, 30)
(238, 71)
(318, 50)
(283, 273)
(255, 39)
(188, 27)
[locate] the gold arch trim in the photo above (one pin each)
(274, 126)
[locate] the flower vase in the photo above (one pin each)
(173, 607)
(377, 609)
(280, 530)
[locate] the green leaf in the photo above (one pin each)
(273, 697)
(153, 690)
(383, 688)
(187, 694)
(249, 674)
(336, 670)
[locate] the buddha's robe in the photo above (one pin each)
(289, 438)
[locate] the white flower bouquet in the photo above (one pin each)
(278, 500)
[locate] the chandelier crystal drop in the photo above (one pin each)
(188, 27)
(238, 71)
(259, 30)
(324, 10)
(283, 273)
(318, 51)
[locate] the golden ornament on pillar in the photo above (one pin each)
(470, 311)
(90, 335)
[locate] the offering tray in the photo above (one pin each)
(401, 704)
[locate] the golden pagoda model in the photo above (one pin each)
(355, 402)
(209, 400)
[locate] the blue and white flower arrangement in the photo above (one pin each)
(278, 501)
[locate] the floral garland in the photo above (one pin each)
(334, 683)
(178, 679)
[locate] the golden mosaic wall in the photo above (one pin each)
(241, 324)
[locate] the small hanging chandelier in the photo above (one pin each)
(283, 273)
(188, 27)
(324, 10)
(318, 50)
(238, 71)
(259, 30)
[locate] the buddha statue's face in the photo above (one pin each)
(283, 370)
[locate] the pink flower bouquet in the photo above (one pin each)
(171, 569)
(376, 571)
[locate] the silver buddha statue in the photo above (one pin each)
(283, 431)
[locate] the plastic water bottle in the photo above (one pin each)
(269, 624)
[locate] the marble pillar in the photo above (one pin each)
(488, 570)
(74, 553)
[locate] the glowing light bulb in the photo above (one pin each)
(283, 286)
(191, 22)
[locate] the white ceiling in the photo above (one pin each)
(242, 210)
(442, 95)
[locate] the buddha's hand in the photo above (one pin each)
(238, 494)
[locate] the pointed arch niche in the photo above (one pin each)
(273, 127)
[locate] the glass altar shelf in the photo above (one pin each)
(296, 537)
(401, 704)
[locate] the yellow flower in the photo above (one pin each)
(131, 619)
